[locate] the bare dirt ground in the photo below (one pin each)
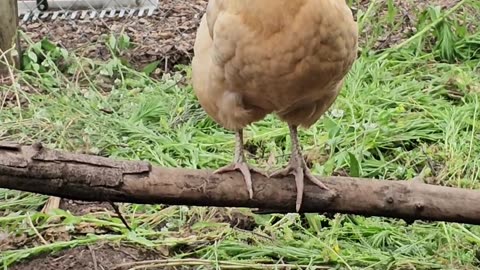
(99, 256)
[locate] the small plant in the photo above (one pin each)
(450, 42)
(43, 56)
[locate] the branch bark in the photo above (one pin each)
(92, 178)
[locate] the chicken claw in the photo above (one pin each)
(245, 169)
(298, 168)
(240, 164)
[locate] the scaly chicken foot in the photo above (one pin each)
(298, 168)
(240, 164)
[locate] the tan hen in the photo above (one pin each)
(288, 57)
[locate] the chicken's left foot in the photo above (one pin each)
(298, 168)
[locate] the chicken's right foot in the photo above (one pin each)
(240, 164)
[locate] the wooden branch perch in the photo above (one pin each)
(92, 178)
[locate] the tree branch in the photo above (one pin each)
(92, 178)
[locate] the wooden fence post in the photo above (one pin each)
(8, 34)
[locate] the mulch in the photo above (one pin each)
(166, 36)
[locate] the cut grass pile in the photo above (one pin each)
(409, 109)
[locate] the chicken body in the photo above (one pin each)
(288, 57)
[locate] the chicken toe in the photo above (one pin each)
(245, 169)
(298, 168)
(240, 164)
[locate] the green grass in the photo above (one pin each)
(400, 109)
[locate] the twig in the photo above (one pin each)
(254, 233)
(119, 214)
(29, 220)
(94, 257)
(12, 78)
(430, 163)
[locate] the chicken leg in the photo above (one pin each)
(240, 164)
(298, 168)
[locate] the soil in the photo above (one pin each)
(95, 257)
(80, 208)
